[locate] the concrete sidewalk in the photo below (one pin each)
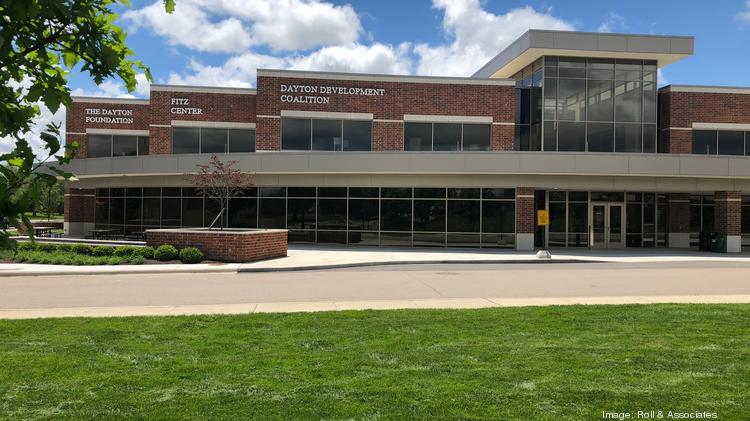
(314, 306)
(328, 257)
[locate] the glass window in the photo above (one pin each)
(295, 134)
(357, 135)
(628, 138)
(429, 215)
(363, 214)
(192, 212)
(572, 67)
(477, 137)
(272, 191)
(499, 217)
(213, 140)
(397, 192)
(731, 143)
(185, 140)
(600, 69)
(326, 135)
(98, 146)
(417, 136)
(102, 210)
(522, 137)
(571, 137)
(301, 192)
(601, 137)
(571, 100)
(628, 70)
(364, 192)
(241, 140)
(463, 193)
(499, 193)
(649, 138)
(332, 214)
(550, 135)
(243, 213)
(550, 99)
(332, 191)
(463, 216)
(152, 211)
(430, 193)
(628, 101)
(649, 102)
(272, 213)
(142, 145)
(447, 137)
(600, 100)
(395, 215)
(300, 214)
(124, 145)
(116, 210)
(704, 142)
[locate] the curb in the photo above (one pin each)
(116, 272)
(410, 262)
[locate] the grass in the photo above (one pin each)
(40, 216)
(545, 363)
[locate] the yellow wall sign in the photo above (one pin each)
(542, 217)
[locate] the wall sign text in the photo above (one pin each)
(182, 106)
(109, 115)
(321, 94)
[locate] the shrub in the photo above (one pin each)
(137, 260)
(67, 248)
(21, 257)
(123, 251)
(191, 255)
(82, 249)
(27, 246)
(102, 251)
(113, 260)
(146, 252)
(79, 260)
(165, 252)
(49, 248)
(59, 259)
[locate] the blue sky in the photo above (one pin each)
(221, 42)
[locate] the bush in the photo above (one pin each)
(165, 252)
(137, 260)
(191, 255)
(102, 251)
(124, 251)
(146, 252)
(49, 248)
(113, 260)
(27, 246)
(66, 248)
(82, 249)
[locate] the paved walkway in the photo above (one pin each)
(323, 257)
(384, 287)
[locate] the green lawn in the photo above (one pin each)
(548, 363)
(41, 216)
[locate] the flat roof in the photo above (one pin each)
(370, 77)
(536, 43)
(706, 89)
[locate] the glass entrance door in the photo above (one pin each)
(607, 225)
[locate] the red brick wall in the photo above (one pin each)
(80, 205)
(728, 212)
(268, 134)
(388, 110)
(524, 210)
(223, 107)
(227, 246)
(76, 125)
(682, 109)
(678, 212)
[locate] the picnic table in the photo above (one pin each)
(43, 231)
(102, 234)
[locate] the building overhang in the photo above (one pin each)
(537, 43)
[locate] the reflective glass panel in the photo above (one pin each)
(447, 137)
(326, 135)
(213, 140)
(417, 136)
(241, 140)
(476, 137)
(124, 145)
(357, 135)
(98, 146)
(185, 140)
(295, 134)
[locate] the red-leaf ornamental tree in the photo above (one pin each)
(221, 182)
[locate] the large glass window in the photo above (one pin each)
(186, 140)
(214, 140)
(124, 145)
(571, 100)
(447, 137)
(704, 142)
(302, 134)
(98, 146)
(600, 100)
(241, 140)
(628, 137)
(104, 145)
(731, 143)
(571, 137)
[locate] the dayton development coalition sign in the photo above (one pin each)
(320, 94)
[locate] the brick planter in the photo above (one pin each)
(228, 245)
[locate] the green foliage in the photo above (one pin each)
(82, 249)
(165, 252)
(123, 251)
(27, 246)
(147, 252)
(103, 251)
(191, 255)
(46, 247)
(41, 42)
(65, 247)
(137, 260)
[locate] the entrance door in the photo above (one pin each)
(607, 225)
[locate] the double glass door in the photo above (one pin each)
(607, 225)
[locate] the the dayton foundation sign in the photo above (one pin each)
(321, 94)
(109, 115)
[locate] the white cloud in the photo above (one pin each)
(744, 16)
(232, 26)
(45, 117)
(478, 35)
(112, 88)
(661, 80)
(612, 22)
(238, 71)
(191, 26)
